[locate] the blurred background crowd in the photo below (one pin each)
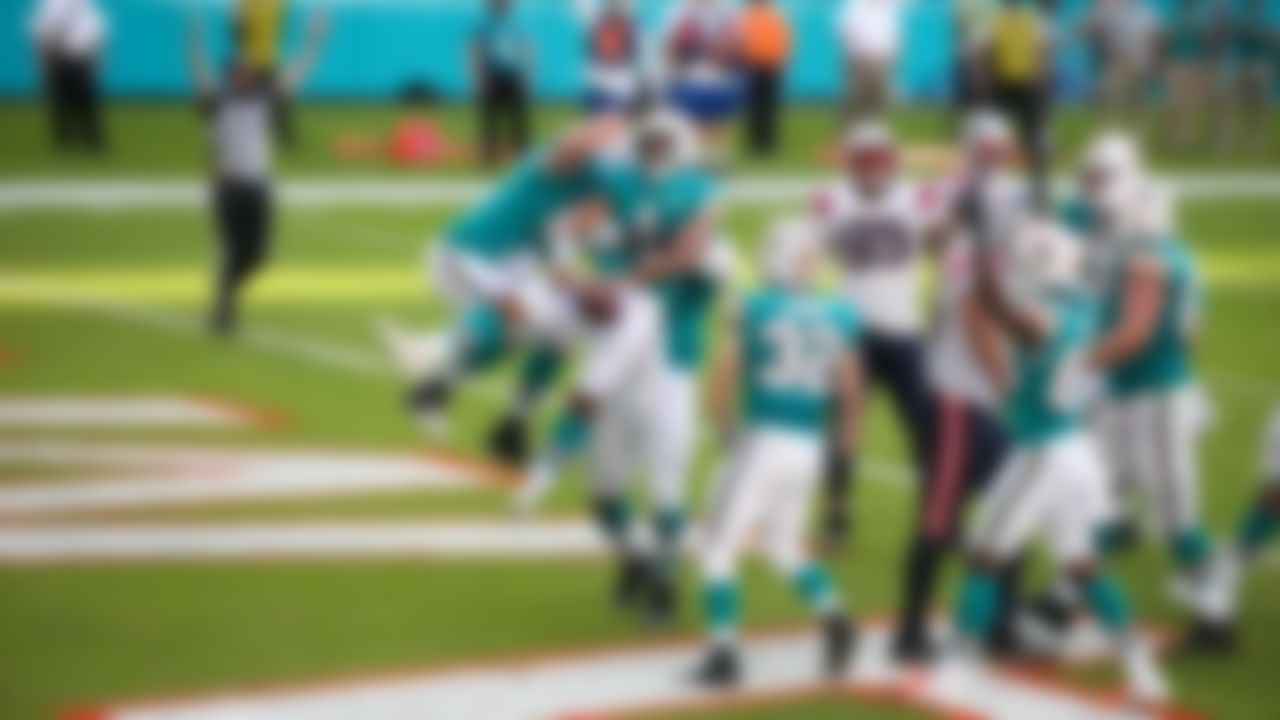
(1199, 71)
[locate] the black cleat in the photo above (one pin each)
(1206, 637)
(1052, 613)
(913, 648)
(839, 639)
(719, 670)
(633, 580)
(429, 396)
(661, 606)
(509, 441)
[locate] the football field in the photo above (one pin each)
(188, 517)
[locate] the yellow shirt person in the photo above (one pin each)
(1017, 44)
(260, 24)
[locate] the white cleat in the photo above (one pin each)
(1224, 599)
(415, 355)
(418, 356)
(534, 486)
(1145, 681)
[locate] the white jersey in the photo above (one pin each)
(878, 244)
(952, 362)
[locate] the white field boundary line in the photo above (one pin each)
(638, 681)
(115, 194)
(451, 539)
(134, 411)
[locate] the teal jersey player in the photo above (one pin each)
(651, 211)
(1164, 361)
(514, 217)
(1037, 409)
(792, 343)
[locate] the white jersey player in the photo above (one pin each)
(967, 438)
(874, 223)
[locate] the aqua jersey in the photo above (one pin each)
(514, 217)
(1077, 216)
(1165, 361)
(650, 213)
(792, 344)
(1039, 408)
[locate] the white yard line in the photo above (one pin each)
(625, 681)
(116, 194)
(146, 475)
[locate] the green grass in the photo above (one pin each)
(169, 139)
(79, 633)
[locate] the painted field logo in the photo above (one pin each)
(651, 681)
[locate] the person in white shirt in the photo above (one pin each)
(874, 223)
(613, 77)
(1125, 35)
(870, 33)
(69, 37)
(967, 438)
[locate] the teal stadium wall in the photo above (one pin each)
(378, 46)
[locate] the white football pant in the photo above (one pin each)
(1151, 445)
(1058, 491)
(763, 493)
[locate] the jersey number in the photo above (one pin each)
(873, 244)
(802, 357)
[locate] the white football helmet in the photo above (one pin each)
(871, 154)
(1045, 255)
(791, 253)
(1149, 212)
(665, 140)
(1111, 173)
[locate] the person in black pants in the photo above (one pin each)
(69, 36)
(500, 58)
(75, 104)
(766, 45)
(240, 117)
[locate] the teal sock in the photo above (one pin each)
(484, 337)
(977, 605)
(539, 372)
(720, 605)
(1257, 528)
(668, 525)
(570, 435)
(1190, 548)
(613, 515)
(1108, 603)
(813, 584)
